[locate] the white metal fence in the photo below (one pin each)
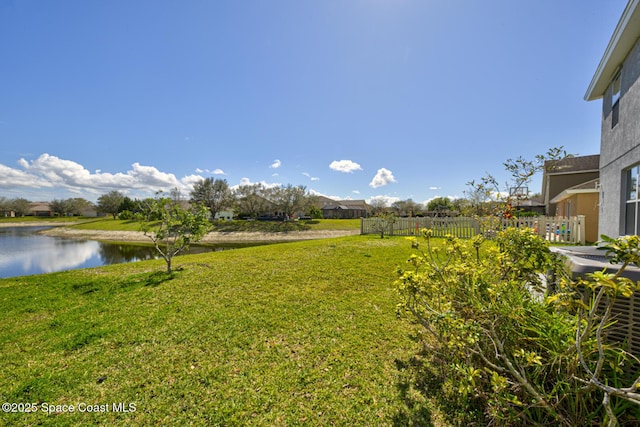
(554, 229)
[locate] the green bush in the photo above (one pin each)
(126, 215)
(505, 348)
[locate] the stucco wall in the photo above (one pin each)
(582, 204)
(620, 145)
(559, 182)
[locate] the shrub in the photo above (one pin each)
(126, 215)
(507, 347)
(176, 227)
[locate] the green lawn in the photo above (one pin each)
(110, 224)
(300, 333)
(54, 220)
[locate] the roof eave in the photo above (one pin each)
(568, 193)
(622, 40)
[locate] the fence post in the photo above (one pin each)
(581, 229)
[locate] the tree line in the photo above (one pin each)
(21, 206)
(247, 201)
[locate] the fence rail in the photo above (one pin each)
(554, 229)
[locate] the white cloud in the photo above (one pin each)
(355, 192)
(312, 178)
(214, 172)
(435, 188)
(149, 176)
(11, 178)
(346, 166)
(247, 181)
(332, 197)
(382, 178)
(52, 172)
(69, 174)
(276, 164)
(190, 180)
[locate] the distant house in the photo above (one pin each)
(40, 209)
(89, 212)
(560, 175)
(581, 199)
(224, 215)
(617, 82)
(344, 209)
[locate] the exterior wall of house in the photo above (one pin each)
(582, 204)
(224, 215)
(343, 213)
(557, 183)
(620, 145)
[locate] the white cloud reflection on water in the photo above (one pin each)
(23, 252)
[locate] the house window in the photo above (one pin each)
(631, 217)
(615, 100)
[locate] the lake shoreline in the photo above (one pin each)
(212, 237)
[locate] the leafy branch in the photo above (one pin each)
(171, 227)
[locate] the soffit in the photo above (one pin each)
(624, 37)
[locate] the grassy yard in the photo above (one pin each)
(109, 224)
(54, 220)
(300, 333)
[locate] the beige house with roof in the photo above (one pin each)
(344, 209)
(581, 199)
(563, 174)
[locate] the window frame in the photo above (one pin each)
(632, 200)
(615, 98)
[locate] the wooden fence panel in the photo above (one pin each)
(554, 229)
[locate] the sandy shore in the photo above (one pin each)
(213, 237)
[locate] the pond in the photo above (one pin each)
(23, 251)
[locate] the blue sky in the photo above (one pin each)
(357, 99)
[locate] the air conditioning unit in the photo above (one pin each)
(581, 260)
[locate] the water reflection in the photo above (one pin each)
(112, 253)
(23, 252)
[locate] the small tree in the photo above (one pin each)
(20, 206)
(290, 199)
(315, 212)
(406, 207)
(110, 203)
(384, 223)
(60, 207)
(5, 206)
(250, 199)
(214, 194)
(78, 205)
(378, 206)
(175, 228)
(439, 205)
(487, 193)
